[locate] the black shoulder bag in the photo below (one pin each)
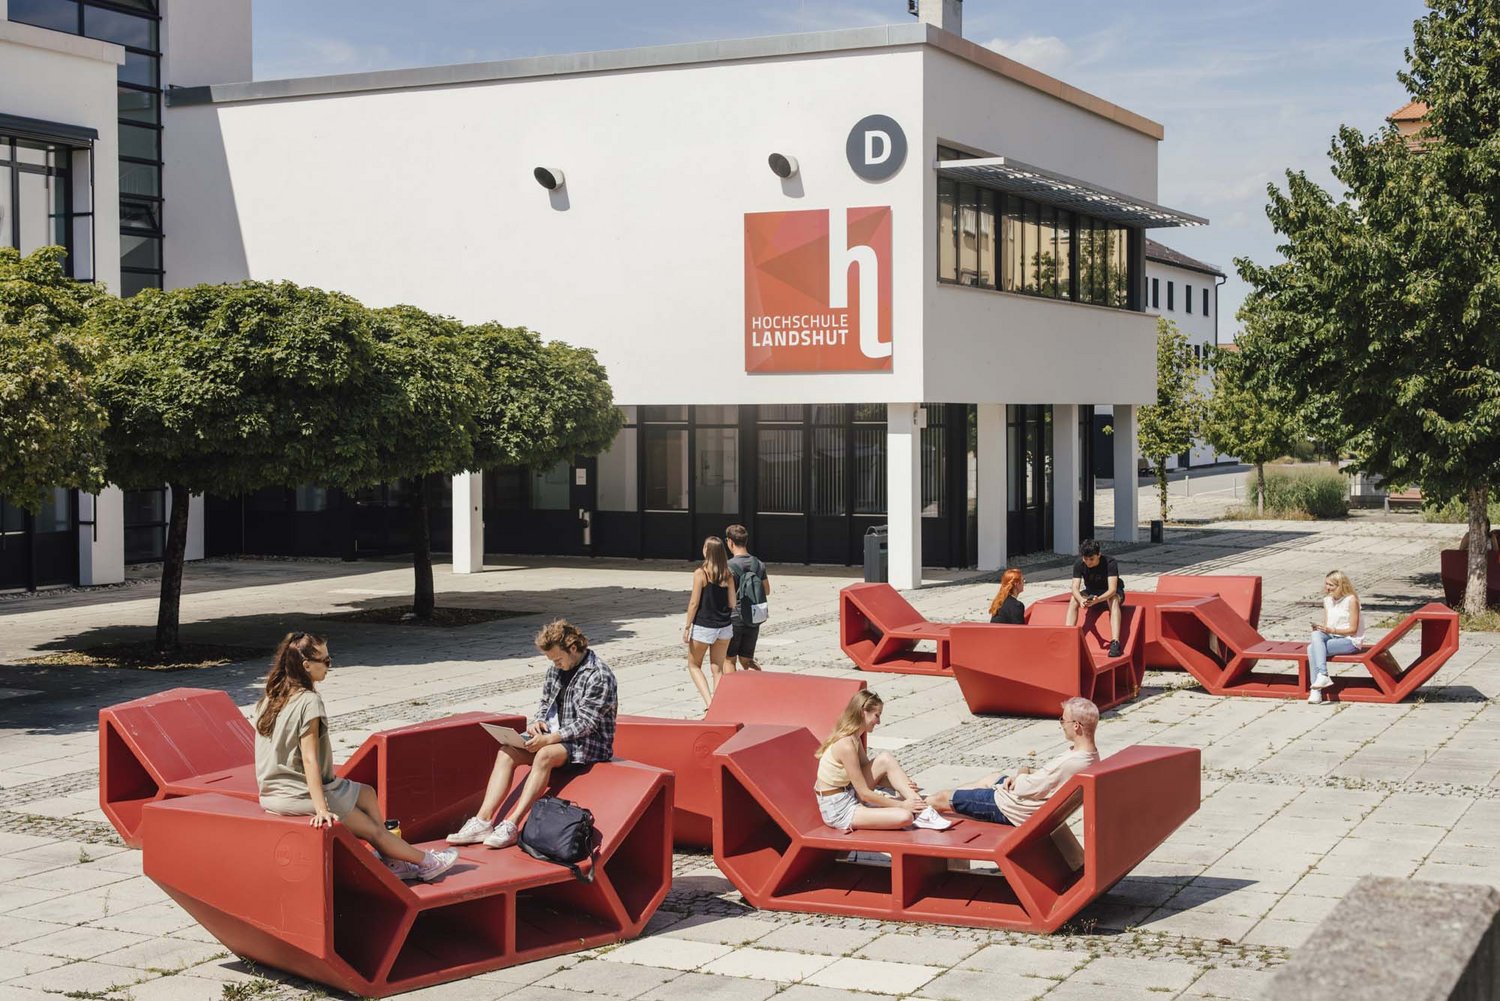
(559, 831)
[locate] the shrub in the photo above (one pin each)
(1456, 512)
(1320, 493)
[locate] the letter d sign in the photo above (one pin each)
(876, 147)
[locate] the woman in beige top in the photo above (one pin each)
(294, 761)
(856, 791)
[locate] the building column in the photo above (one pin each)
(1127, 489)
(101, 545)
(994, 509)
(468, 522)
(193, 550)
(1066, 458)
(903, 471)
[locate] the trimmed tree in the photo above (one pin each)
(1393, 284)
(1168, 426)
(232, 389)
(1246, 416)
(50, 426)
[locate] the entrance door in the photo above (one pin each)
(1030, 441)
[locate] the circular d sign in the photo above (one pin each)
(876, 147)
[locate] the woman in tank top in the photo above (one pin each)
(1341, 631)
(709, 613)
(856, 791)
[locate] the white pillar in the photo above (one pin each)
(994, 509)
(1066, 459)
(468, 522)
(903, 471)
(1127, 488)
(194, 547)
(101, 545)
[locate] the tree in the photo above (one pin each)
(50, 427)
(1394, 285)
(232, 389)
(1168, 426)
(1247, 416)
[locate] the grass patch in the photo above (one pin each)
(1248, 513)
(401, 615)
(144, 657)
(1488, 622)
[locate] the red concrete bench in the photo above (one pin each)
(176, 743)
(879, 630)
(1454, 570)
(1242, 593)
(774, 846)
(1029, 670)
(686, 747)
(1222, 652)
(317, 902)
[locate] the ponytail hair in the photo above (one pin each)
(852, 719)
(1008, 581)
(288, 676)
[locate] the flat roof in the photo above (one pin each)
(661, 57)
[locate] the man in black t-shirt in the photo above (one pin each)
(742, 642)
(1096, 581)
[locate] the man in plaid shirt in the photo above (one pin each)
(574, 724)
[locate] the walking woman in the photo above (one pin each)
(856, 791)
(294, 761)
(709, 626)
(1341, 631)
(1005, 609)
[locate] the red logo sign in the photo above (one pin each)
(818, 290)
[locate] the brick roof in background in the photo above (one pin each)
(1412, 111)
(1166, 255)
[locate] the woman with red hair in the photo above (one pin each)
(1005, 610)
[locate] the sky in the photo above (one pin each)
(1246, 90)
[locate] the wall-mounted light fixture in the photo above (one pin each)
(782, 166)
(550, 178)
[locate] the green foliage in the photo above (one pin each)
(421, 411)
(1456, 512)
(1386, 308)
(1247, 415)
(50, 426)
(1320, 493)
(1168, 426)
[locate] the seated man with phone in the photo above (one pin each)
(574, 724)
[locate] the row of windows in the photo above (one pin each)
(36, 199)
(135, 24)
(1187, 295)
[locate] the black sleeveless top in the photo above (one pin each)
(713, 605)
(1010, 613)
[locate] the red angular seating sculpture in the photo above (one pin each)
(318, 903)
(1222, 652)
(686, 747)
(879, 630)
(774, 846)
(1454, 569)
(1029, 670)
(176, 743)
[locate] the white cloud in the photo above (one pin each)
(1047, 53)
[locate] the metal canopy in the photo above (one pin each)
(1004, 173)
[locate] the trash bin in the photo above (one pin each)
(1158, 531)
(877, 554)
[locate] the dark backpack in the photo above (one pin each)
(560, 831)
(754, 609)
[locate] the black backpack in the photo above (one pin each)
(560, 831)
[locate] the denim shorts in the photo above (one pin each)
(838, 808)
(709, 635)
(979, 804)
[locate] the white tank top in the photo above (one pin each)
(1337, 612)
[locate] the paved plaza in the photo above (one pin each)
(1299, 801)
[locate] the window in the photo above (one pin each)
(1205, 302)
(868, 423)
(1187, 298)
(37, 181)
(778, 446)
(947, 221)
(550, 486)
(718, 470)
(1169, 295)
(1156, 293)
(934, 463)
(617, 468)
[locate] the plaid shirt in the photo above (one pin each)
(586, 710)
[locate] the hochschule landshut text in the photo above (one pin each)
(799, 330)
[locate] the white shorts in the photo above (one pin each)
(708, 635)
(838, 808)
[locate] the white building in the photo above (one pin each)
(1186, 291)
(839, 279)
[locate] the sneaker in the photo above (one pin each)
(434, 864)
(505, 835)
(401, 870)
(930, 820)
(1114, 649)
(1321, 682)
(474, 831)
(1315, 697)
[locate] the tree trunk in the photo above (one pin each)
(421, 551)
(1161, 486)
(169, 611)
(1260, 489)
(1475, 591)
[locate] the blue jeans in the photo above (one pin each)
(979, 804)
(1321, 647)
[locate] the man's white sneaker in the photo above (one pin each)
(434, 864)
(1315, 696)
(505, 835)
(474, 831)
(1321, 682)
(930, 820)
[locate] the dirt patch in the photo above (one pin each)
(143, 657)
(401, 615)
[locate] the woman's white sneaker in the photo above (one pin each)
(434, 864)
(474, 831)
(505, 835)
(1315, 696)
(1321, 682)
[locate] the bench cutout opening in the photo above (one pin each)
(753, 842)
(637, 869)
(444, 939)
(367, 915)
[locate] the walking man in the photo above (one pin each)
(754, 590)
